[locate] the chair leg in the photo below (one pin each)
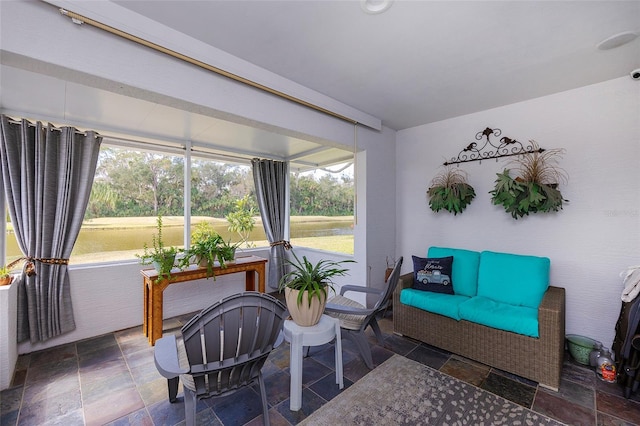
(376, 330)
(363, 347)
(172, 384)
(263, 396)
(189, 407)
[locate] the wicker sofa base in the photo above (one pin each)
(538, 359)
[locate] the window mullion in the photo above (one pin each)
(187, 194)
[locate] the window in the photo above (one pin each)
(223, 197)
(130, 189)
(321, 209)
(133, 186)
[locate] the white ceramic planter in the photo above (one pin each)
(304, 315)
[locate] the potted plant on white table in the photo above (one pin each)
(306, 287)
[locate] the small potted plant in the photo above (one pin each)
(5, 275)
(228, 250)
(208, 248)
(535, 188)
(306, 287)
(242, 221)
(203, 252)
(162, 258)
(450, 191)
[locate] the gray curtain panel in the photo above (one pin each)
(270, 179)
(48, 174)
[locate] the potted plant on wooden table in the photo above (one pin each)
(5, 275)
(162, 258)
(208, 247)
(228, 250)
(535, 188)
(204, 252)
(242, 221)
(306, 287)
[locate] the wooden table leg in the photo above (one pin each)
(261, 278)
(145, 304)
(156, 314)
(250, 281)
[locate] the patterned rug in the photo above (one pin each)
(403, 392)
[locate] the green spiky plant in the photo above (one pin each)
(161, 257)
(316, 279)
(535, 188)
(450, 191)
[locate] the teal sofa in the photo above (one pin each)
(503, 313)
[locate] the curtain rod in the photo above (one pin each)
(52, 127)
(79, 19)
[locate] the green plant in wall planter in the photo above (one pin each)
(162, 258)
(535, 188)
(450, 191)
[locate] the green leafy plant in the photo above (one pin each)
(208, 248)
(5, 275)
(161, 257)
(228, 250)
(313, 278)
(4, 272)
(241, 219)
(201, 231)
(450, 191)
(535, 189)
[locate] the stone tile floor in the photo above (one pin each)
(111, 379)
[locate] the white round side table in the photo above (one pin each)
(325, 331)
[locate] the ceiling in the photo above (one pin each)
(417, 63)
(420, 61)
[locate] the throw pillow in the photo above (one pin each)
(433, 274)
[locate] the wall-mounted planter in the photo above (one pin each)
(535, 189)
(450, 191)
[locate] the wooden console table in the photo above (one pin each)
(153, 290)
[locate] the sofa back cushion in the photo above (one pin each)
(515, 279)
(464, 273)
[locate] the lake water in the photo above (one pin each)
(124, 239)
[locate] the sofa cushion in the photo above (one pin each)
(464, 271)
(503, 316)
(438, 303)
(512, 278)
(432, 274)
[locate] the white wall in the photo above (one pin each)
(8, 322)
(375, 230)
(590, 242)
(109, 298)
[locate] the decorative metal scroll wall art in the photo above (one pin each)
(504, 147)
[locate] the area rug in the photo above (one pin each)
(403, 392)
